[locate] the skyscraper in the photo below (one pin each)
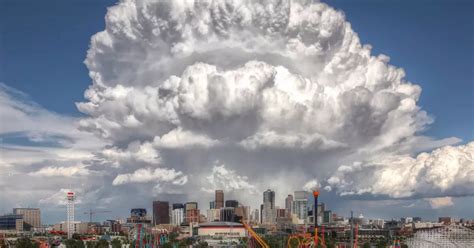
(190, 205)
(177, 205)
(192, 216)
(161, 212)
(31, 217)
(300, 206)
(191, 212)
(268, 207)
(289, 204)
(177, 216)
(219, 199)
(231, 204)
(227, 214)
(256, 216)
(242, 213)
(213, 215)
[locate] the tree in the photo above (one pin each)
(366, 245)
(102, 244)
(382, 244)
(70, 243)
(172, 236)
(90, 244)
(25, 242)
(201, 244)
(80, 244)
(73, 243)
(116, 243)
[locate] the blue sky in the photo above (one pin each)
(43, 49)
(43, 46)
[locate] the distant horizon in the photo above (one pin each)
(150, 213)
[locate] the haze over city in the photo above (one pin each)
(129, 102)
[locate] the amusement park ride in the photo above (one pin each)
(303, 240)
(149, 238)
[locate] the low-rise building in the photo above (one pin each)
(213, 215)
(11, 223)
(79, 227)
(31, 217)
(177, 216)
(222, 230)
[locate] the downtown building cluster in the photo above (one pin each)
(222, 221)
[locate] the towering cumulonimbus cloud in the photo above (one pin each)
(209, 79)
(285, 73)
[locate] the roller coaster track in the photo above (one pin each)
(252, 233)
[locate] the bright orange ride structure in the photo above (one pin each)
(305, 239)
(254, 235)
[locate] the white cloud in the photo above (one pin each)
(208, 79)
(136, 151)
(312, 185)
(146, 175)
(59, 198)
(291, 76)
(178, 138)
(440, 202)
(290, 141)
(23, 118)
(447, 171)
(51, 171)
(228, 180)
(274, 90)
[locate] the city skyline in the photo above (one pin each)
(125, 105)
(234, 222)
(149, 211)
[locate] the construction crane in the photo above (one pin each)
(91, 213)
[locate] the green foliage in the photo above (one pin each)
(70, 243)
(102, 244)
(201, 244)
(90, 244)
(330, 243)
(73, 243)
(382, 243)
(116, 243)
(366, 245)
(186, 242)
(26, 243)
(275, 241)
(172, 236)
(80, 244)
